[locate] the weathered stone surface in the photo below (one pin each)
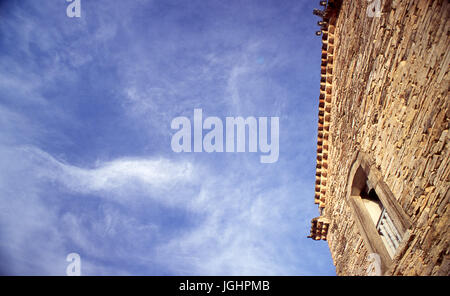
(389, 99)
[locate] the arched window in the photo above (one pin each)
(380, 219)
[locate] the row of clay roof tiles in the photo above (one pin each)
(319, 225)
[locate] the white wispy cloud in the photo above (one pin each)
(114, 177)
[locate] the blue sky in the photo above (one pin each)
(86, 163)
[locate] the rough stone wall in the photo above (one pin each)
(390, 100)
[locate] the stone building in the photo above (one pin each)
(382, 178)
